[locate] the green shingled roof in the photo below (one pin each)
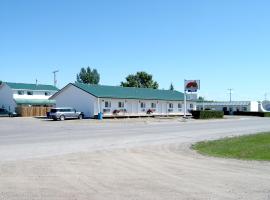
(130, 93)
(27, 86)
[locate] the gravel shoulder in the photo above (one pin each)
(146, 166)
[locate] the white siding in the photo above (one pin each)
(36, 94)
(6, 98)
(72, 96)
(133, 107)
(254, 106)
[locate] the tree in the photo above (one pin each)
(171, 87)
(140, 80)
(88, 76)
(1, 82)
(200, 98)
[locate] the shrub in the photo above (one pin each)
(266, 114)
(207, 114)
(258, 114)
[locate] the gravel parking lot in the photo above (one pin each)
(126, 159)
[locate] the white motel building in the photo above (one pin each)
(116, 101)
(13, 95)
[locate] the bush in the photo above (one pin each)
(207, 114)
(258, 114)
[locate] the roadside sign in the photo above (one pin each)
(192, 85)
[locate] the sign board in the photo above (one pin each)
(192, 97)
(192, 85)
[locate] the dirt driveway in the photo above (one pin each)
(155, 163)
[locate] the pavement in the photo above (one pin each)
(126, 159)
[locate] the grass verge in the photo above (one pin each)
(249, 147)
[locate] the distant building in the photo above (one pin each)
(115, 101)
(24, 94)
(233, 106)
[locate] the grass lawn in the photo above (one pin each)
(249, 147)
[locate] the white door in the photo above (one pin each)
(129, 107)
(164, 108)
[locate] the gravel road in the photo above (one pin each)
(125, 159)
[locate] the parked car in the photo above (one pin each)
(6, 113)
(64, 113)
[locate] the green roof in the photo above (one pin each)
(28, 86)
(34, 102)
(118, 92)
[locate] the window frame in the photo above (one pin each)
(121, 104)
(20, 92)
(30, 93)
(109, 104)
(142, 105)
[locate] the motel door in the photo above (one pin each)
(159, 107)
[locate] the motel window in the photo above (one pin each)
(179, 105)
(153, 105)
(170, 105)
(29, 92)
(107, 104)
(20, 92)
(244, 108)
(47, 93)
(142, 105)
(191, 106)
(120, 104)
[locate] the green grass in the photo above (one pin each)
(249, 147)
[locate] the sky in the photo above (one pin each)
(224, 43)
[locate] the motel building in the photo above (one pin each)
(116, 101)
(229, 106)
(14, 96)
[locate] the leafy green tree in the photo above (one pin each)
(200, 98)
(1, 82)
(140, 80)
(88, 76)
(171, 87)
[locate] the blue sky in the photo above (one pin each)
(225, 44)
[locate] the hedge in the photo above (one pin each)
(207, 114)
(258, 114)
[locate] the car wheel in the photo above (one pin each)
(62, 117)
(80, 117)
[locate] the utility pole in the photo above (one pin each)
(230, 89)
(185, 104)
(203, 102)
(54, 77)
(265, 96)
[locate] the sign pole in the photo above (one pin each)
(185, 104)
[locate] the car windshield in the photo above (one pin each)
(53, 110)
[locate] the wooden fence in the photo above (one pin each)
(33, 111)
